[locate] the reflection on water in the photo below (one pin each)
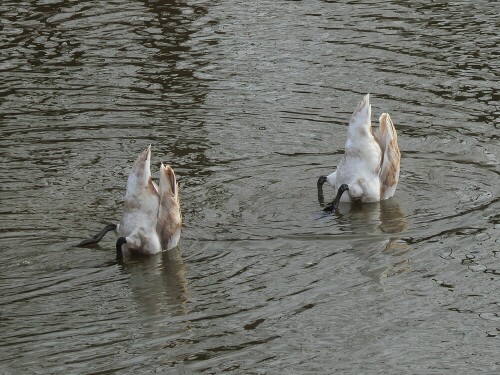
(159, 283)
(375, 231)
(392, 217)
(248, 102)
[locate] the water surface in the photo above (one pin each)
(249, 103)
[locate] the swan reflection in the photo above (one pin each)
(159, 283)
(376, 230)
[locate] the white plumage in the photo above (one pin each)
(151, 220)
(369, 169)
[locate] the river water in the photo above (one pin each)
(249, 102)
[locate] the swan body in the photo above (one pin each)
(369, 168)
(151, 220)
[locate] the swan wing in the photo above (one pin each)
(169, 214)
(387, 139)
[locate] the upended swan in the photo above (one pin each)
(369, 169)
(151, 220)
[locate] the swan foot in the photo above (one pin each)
(121, 241)
(332, 207)
(321, 181)
(95, 239)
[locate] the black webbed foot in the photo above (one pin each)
(95, 239)
(119, 254)
(332, 207)
(321, 181)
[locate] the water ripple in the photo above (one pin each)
(249, 102)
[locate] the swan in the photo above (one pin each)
(369, 168)
(151, 220)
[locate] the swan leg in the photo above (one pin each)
(95, 239)
(121, 241)
(333, 206)
(321, 181)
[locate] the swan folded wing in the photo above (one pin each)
(389, 170)
(169, 215)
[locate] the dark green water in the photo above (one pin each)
(249, 102)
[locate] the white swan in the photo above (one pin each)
(369, 169)
(151, 220)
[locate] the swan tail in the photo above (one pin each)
(140, 175)
(361, 118)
